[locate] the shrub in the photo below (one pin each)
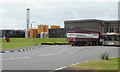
(104, 56)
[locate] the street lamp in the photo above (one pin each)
(27, 22)
(32, 23)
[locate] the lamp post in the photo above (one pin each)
(27, 22)
(32, 24)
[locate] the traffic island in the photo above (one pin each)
(97, 66)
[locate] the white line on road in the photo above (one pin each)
(47, 55)
(68, 66)
(14, 58)
(53, 54)
(61, 68)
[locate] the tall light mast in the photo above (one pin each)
(27, 22)
(28, 18)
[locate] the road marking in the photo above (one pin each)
(46, 55)
(14, 58)
(62, 51)
(75, 63)
(53, 53)
(61, 68)
(7, 51)
(68, 65)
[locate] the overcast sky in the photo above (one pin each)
(13, 12)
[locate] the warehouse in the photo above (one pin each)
(97, 25)
(57, 33)
(61, 32)
(88, 24)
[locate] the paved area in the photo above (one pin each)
(53, 57)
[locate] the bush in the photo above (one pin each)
(104, 56)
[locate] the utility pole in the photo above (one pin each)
(27, 22)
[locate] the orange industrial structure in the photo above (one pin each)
(40, 28)
(33, 33)
(41, 32)
(46, 28)
(54, 26)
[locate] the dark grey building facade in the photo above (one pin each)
(97, 25)
(61, 32)
(57, 33)
(12, 33)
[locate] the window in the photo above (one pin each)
(112, 37)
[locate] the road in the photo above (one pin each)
(54, 57)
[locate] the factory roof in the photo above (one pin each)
(89, 20)
(82, 28)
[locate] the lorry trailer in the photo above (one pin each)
(83, 37)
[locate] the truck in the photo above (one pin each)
(83, 37)
(111, 39)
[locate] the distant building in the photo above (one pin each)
(57, 33)
(97, 25)
(61, 32)
(41, 31)
(12, 33)
(88, 24)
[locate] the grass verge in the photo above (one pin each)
(26, 42)
(111, 64)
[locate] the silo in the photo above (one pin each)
(40, 28)
(54, 26)
(42, 35)
(57, 26)
(46, 28)
(45, 34)
(35, 32)
(32, 33)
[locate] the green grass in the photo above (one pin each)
(26, 42)
(111, 64)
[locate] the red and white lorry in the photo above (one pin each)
(83, 37)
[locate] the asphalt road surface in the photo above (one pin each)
(53, 57)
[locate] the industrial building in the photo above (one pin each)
(91, 24)
(97, 25)
(57, 33)
(12, 33)
(41, 32)
(54, 31)
(61, 32)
